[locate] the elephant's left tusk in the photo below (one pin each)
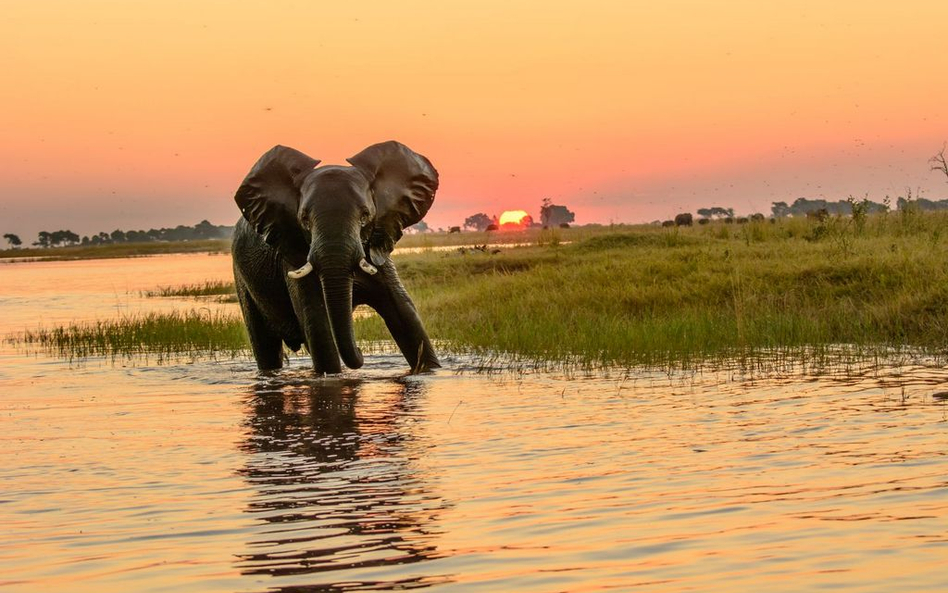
(367, 267)
(297, 274)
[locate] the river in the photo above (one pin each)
(205, 475)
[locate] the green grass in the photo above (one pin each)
(194, 333)
(208, 288)
(668, 296)
(640, 296)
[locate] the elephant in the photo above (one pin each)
(684, 219)
(315, 241)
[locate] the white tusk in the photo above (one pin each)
(367, 267)
(297, 274)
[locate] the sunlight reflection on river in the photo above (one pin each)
(209, 476)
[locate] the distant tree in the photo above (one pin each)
(62, 238)
(920, 203)
(938, 161)
(804, 207)
(202, 230)
(419, 227)
(478, 222)
(553, 215)
(13, 240)
(205, 230)
(780, 209)
(85, 240)
(715, 212)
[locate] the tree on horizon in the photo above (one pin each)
(478, 222)
(13, 240)
(554, 215)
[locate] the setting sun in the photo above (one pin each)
(512, 217)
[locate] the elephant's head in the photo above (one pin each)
(335, 220)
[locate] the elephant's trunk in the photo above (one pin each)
(337, 291)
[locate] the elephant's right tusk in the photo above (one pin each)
(297, 274)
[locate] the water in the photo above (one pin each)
(208, 476)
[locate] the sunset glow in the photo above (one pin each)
(145, 114)
(513, 217)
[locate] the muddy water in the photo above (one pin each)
(209, 476)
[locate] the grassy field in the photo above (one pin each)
(662, 296)
(668, 297)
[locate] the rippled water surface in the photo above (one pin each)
(208, 476)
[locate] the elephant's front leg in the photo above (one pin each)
(389, 298)
(310, 308)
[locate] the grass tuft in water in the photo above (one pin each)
(208, 288)
(194, 333)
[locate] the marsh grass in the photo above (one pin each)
(671, 297)
(644, 296)
(197, 333)
(208, 288)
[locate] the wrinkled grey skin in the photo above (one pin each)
(334, 218)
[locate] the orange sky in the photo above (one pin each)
(147, 114)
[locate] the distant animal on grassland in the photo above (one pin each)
(758, 217)
(742, 220)
(454, 229)
(668, 223)
(704, 220)
(684, 219)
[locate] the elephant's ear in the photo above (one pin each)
(269, 198)
(403, 186)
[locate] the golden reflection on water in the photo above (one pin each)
(209, 476)
(336, 485)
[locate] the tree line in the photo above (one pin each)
(803, 206)
(64, 238)
(551, 215)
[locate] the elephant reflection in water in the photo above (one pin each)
(335, 486)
